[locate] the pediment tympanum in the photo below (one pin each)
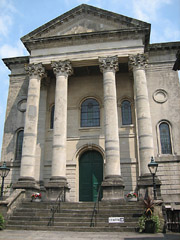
(84, 19)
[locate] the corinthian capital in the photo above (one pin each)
(62, 67)
(138, 61)
(35, 70)
(109, 63)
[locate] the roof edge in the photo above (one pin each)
(87, 8)
(164, 45)
(15, 60)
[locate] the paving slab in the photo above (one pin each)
(55, 235)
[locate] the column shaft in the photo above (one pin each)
(27, 172)
(111, 125)
(62, 70)
(113, 186)
(146, 146)
(60, 128)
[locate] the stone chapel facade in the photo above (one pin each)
(90, 106)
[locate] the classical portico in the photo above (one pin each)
(89, 108)
(104, 62)
(113, 184)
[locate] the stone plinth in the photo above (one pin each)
(113, 189)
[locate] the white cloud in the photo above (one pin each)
(5, 23)
(7, 50)
(6, 20)
(147, 10)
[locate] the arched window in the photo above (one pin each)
(52, 117)
(165, 138)
(19, 143)
(90, 113)
(126, 112)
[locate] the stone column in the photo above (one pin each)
(113, 184)
(144, 125)
(62, 70)
(27, 172)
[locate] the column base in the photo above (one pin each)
(145, 186)
(113, 188)
(55, 186)
(28, 183)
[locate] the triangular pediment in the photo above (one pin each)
(84, 19)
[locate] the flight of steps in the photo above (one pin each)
(76, 216)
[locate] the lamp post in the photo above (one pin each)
(153, 169)
(3, 173)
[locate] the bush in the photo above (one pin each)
(144, 219)
(1, 222)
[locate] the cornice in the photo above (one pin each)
(164, 46)
(84, 38)
(15, 60)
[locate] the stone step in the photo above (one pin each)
(45, 204)
(64, 219)
(63, 209)
(72, 223)
(78, 214)
(75, 216)
(79, 228)
(69, 210)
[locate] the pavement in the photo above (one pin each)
(55, 235)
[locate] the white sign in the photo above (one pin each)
(116, 219)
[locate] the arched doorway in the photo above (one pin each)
(90, 175)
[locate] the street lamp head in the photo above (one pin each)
(153, 166)
(4, 170)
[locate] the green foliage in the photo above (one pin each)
(149, 216)
(2, 222)
(143, 219)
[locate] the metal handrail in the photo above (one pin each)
(57, 206)
(95, 209)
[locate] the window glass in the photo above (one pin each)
(165, 138)
(126, 113)
(19, 143)
(90, 113)
(52, 118)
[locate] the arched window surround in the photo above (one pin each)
(160, 151)
(19, 134)
(80, 108)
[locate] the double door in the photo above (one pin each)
(90, 175)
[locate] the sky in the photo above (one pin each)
(19, 17)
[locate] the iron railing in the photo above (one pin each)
(56, 208)
(173, 220)
(95, 209)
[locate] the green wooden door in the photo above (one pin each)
(90, 175)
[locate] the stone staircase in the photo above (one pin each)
(76, 216)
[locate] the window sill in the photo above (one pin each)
(127, 126)
(84, 129)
